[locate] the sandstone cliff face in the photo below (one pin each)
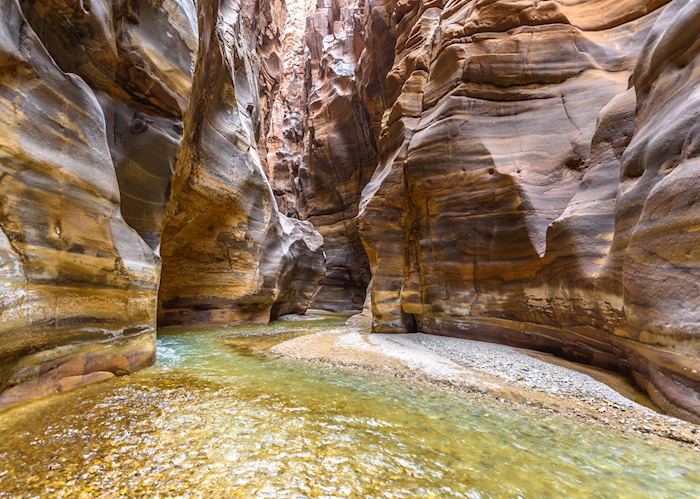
(657, 214)
(514, 171)
(500, 136)
(228, 253)
(92, 102)
(339, 154)
(79, 284)
(324, 151)
(524, 195)
(138, 59)
(284, 139)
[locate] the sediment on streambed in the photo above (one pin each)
(213, 418)
(515, 377)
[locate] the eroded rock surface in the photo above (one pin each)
(513, 171)
(138, 57)
(229, 255)
(515, 149)
(524, 195)
(324, 150)
(78, 295)
(92, 102)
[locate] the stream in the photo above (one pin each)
(217, 419)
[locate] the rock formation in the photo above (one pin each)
(92, 102)
(507, 170)
(138, 59)
(284, 139)
(227, 251)
(79, 284)
(327, 151)
(524, 195)
(516, 150)
(655, 245)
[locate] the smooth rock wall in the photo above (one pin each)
(78, 294)
(92, 100)
(527, 193)
(658, 215)
(229, 255)
(138, 57)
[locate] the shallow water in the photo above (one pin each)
(214, 420)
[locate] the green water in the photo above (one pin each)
(211, 420)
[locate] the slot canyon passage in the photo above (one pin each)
(350, 248)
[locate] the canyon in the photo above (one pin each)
(511, 171)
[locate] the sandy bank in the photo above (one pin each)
(512, 376)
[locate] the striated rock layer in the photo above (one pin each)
(324, 150)
(92, 100)
(229, 255)
(78, 296)
(138, 59)
(508, 170)
(535, 181)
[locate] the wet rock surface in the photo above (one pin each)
(523, 185)
(93, 99)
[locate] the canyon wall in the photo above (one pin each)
(535, 181)
(79, 284)
(324, 150)
(504, 170)
(506, 166)
(92, 101)
(229, 255)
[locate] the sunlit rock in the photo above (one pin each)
(79, 285)
(228, 254)
(524, 195)
(92, 102)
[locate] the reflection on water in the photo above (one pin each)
(215, 420)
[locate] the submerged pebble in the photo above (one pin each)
(210, 420)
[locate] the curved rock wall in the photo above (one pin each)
(92, 100)
(78, 295)
(324, 148)
(284, 139)
(500, 136)
(228, 253)
(524, 195)
(339, 154)
(657, 214)
(513, 171)
(138, 58)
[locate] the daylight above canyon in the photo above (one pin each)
(368, 248)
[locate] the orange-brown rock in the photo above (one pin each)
(657, 215)
(508, 170)
(138, 57)
(78, 284)
(229, 255)
(326, 152)
(139, 52)
(524, 195)
(91, 105)
(284, 141)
